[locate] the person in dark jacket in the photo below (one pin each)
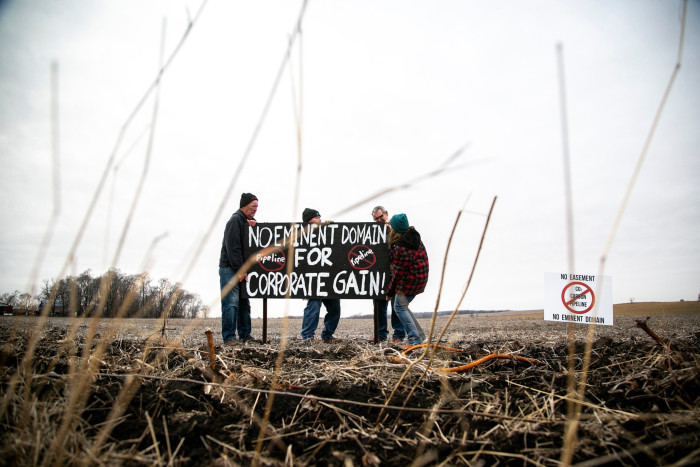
(312, 311)
(235, 310)
(409, 273)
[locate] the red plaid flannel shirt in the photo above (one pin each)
(409, 270)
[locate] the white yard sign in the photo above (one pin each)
(578, 298)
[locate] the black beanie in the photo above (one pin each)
(309, 214)
(247, 198)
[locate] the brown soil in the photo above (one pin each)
(641, 403)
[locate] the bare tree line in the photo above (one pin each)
(109, 295)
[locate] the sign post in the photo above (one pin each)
(376, 322)
(578, 298)
(264, 330)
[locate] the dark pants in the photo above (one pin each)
(311, 315)
(382, 330)
(235, 310)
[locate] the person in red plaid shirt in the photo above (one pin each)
(409, 273)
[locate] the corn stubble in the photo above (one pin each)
(154, 399)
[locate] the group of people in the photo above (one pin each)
(408, 278)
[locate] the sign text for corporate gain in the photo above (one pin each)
(335, 260)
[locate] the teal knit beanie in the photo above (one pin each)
(399, 222)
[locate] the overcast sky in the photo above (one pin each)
(389, 90)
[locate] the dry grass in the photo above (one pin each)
(624, 309)
(147, 399)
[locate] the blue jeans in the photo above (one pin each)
(311, 314)
(382, 331)
(415, 332)
(235, 310)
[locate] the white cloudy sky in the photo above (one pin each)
(390, 89)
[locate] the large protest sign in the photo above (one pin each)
(333, 260)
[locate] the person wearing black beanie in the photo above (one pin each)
(312, 310)
(235, 310)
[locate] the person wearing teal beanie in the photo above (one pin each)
(409, 273)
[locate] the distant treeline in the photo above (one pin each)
(109, 295)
